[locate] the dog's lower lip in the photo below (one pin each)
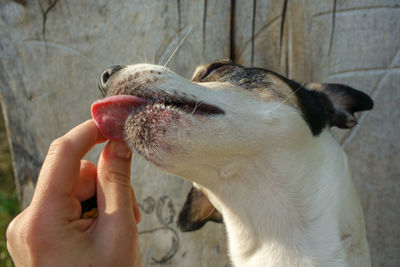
(184, 104)
(195, 107)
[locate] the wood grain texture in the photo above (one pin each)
(51, 60)
(52, 52)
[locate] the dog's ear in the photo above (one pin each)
(345, 101)
(196, 211)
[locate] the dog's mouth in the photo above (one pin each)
(111, 113)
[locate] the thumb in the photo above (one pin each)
(113, 184)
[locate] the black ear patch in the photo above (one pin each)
(196, 211)
(329, 104)
(345, 101)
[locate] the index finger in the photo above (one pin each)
(60, 169)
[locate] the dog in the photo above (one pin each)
(258, 149)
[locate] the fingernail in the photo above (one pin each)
(121, 150)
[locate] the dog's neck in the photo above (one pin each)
(284, 209)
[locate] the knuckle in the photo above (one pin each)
(114, 176)
(21, 228)
(33, 232)
(59, 145)
(14, 228)
(29, 234)
(11, 230)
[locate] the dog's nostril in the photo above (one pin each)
(105, 76)
(109, 72)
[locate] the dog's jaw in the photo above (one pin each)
(169, 136)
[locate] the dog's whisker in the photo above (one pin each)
(140, 55)
(179, 45)
(168, 92)
(139, 84)
(286, 99)
(209, 213)
(195, 107)
(153, 61)
(147, 166)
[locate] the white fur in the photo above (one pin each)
(286, 196)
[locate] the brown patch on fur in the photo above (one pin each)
(262, 83)
(196, 211)
(282, 91)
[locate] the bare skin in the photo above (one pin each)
(50, 231)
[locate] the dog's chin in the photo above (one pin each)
(173, 139)
(154, 132)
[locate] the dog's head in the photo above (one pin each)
(195, 128)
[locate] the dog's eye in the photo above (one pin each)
(214, 67)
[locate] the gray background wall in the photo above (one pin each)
(52, 52)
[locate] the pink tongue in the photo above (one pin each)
(111, 113)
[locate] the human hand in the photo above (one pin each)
(50, 231)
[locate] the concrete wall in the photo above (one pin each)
(52, 52)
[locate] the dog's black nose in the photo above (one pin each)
(105, 76)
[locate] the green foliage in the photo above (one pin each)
(9, 205)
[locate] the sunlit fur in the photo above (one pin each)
(286, 196)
